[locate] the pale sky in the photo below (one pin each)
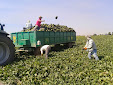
(84, 16)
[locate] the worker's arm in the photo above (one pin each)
(41, 20)
(86, 44)
(85, 47)
(41, 51)
(26, 24)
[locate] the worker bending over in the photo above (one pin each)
(45, 48)
(91, 48)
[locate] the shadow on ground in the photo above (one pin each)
(100, 57)
(59, 48)
(25, 56)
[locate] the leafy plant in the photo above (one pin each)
(66, 66)
(54, 28)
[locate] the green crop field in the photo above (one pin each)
(65, 66)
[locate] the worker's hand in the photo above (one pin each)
(43, 21)
(84, 48)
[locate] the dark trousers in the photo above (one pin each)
(36, 28)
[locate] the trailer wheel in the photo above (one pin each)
(7, 50)
(70, 45)
(57, 45)
(37, 51)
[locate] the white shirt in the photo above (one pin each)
(90, 45)
(28, 25)
(43, 48)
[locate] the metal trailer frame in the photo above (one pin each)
(27, 41)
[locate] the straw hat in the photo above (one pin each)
(88, 36)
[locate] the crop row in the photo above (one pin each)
(65, 66)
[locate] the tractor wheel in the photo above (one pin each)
(7, 50)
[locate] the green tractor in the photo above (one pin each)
(7, 49)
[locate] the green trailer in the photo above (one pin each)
(29, 41)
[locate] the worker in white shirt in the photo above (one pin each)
(91, 47)
(45, 48)
(29, 25)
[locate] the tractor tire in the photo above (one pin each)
(7, 50)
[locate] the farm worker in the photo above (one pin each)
(91, 47)
(29, 25)
(45, 48)
(1, 27)
(38, 24)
